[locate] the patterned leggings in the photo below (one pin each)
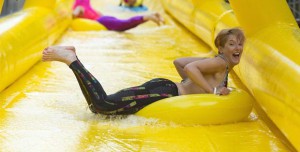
(126, 101)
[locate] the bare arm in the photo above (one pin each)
(155, 17)
(196, 71)
(180, 63)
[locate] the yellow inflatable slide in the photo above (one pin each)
(43, 109)
(1, 4)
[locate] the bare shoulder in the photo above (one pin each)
(210, 64)
(209, 61)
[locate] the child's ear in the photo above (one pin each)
(220, 48)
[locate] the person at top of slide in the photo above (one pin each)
(132, 3)
(83, 9)
(202, 76)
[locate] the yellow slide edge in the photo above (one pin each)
(25, 34)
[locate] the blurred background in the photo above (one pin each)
(11, 6)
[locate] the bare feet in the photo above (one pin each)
(155, 17)
(65, 54)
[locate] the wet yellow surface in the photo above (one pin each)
(1, 4)
(45, 110)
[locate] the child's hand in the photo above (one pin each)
(224, 91)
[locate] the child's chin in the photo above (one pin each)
(235, 62)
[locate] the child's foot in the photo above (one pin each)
(155, 17)
(65, 54)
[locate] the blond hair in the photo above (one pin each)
(223, 35)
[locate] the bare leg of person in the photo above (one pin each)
(65, 54)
